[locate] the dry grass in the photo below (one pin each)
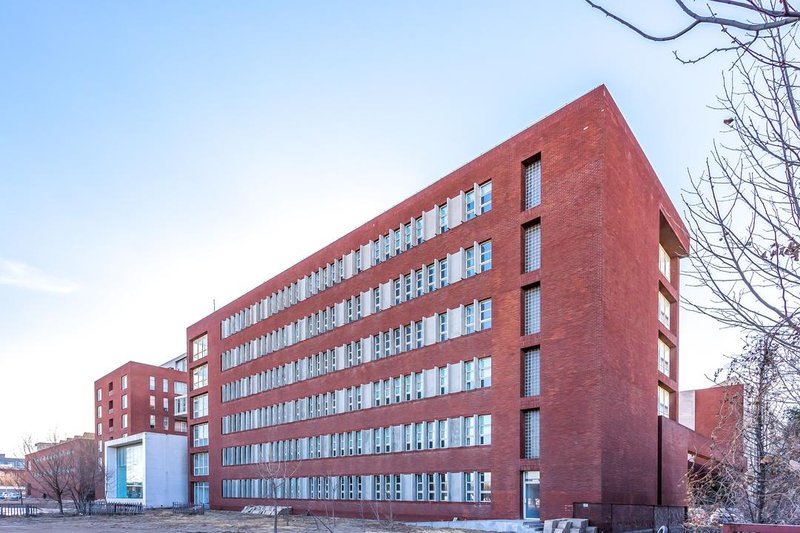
(211, 522)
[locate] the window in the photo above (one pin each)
(663, 357)
(469, 487)
(469, 319)
(152, 421)
(376, 298)
(418, 230)
(531, 373)
(663, 310)
(533, 184)
(124, 401)
(200, 493)
(485, 485)
(532, 313)
(469, 205)
(407, 236)
(165, 423)
(199, 377)
(443, 327)
(663, 402)
(469, 262)
(469, 431)
(485, 257)
(200, 406)
(165, 385)
(443, 380)
(533, 247)
(664, 263)
(179, 387)
(166, 404)
(485, 372)
(152, 402)
(200, 435)
(99, 411)
(485, 429)
(396, 241)
(99, 394)
(442, 487)
(124, 421)
(152, 383)
(485, 314)
(469, 375)
(485, 198)
(99, 429)
(443, 281)
(125, 382)
(199, 347)
(200, 463)
(443, 223)
(181, 426)
(531, 434)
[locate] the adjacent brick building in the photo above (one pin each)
(51, 464)
(501, 344)
(140, 398)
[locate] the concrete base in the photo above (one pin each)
(515, 526)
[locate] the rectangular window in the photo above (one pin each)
(485, 256)
(469, 486)
(396, 247)
(533, 247)
(431, 275)
(485, 198)
(664, 310)
(469, 205)
(485, 429)
(124, 421)
(200, 377)
(443, 327)
(485, 372)
(469, 262)
(152, 383)
(165, 385)
(165, 423)
(469, 319)
(443, 281)
(485, 482)
(165, 404)
(152, 421)
(531, 434)
(663, 357)
(531, 373)
(125, 382)
(152, 402)
(663, 402)
(469, 431)
(469, 375)
(443, 380)
(418, 230)
(485, 314)
(664, 262)
(200, 406)
(533, 184)
(532, 311)
(124, 401)
(407, 236)
(200, 493)
(376, 299)
(443, 223)
(199, 347)
(200, 435)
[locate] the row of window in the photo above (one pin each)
(463, 207)
(178, 387)
(460, 265)
(429, 486)
(427, 435)
(427, 384)
(463, 320)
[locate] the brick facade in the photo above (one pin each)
(603, 214)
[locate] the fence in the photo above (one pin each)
(759, 528)
(18, 509)
(114, 508)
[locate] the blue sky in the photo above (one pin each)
(155, 156)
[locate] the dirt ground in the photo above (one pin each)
(210, 522)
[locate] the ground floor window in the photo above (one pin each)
(530, 495)
(130, 472)
(200, 492)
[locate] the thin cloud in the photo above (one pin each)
(18, 274)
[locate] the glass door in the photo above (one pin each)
(530, 495)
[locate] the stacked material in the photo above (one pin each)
(568, 525)
(268, 510)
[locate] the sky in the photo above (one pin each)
(158, 157)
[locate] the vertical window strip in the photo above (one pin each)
(531, 432)
(532, 372)
(532, 310)
(533, 247)
(533, 184)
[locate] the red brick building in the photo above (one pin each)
(501, 344)
(137, 398)
(52, 464)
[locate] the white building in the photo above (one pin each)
(147, 468)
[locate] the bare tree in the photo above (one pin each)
(49, 470)
(275, 473)
(756, 474)
(86, 471)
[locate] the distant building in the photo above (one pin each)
(53, 460)
(11, 462)
(502, 344)
(140, 413)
